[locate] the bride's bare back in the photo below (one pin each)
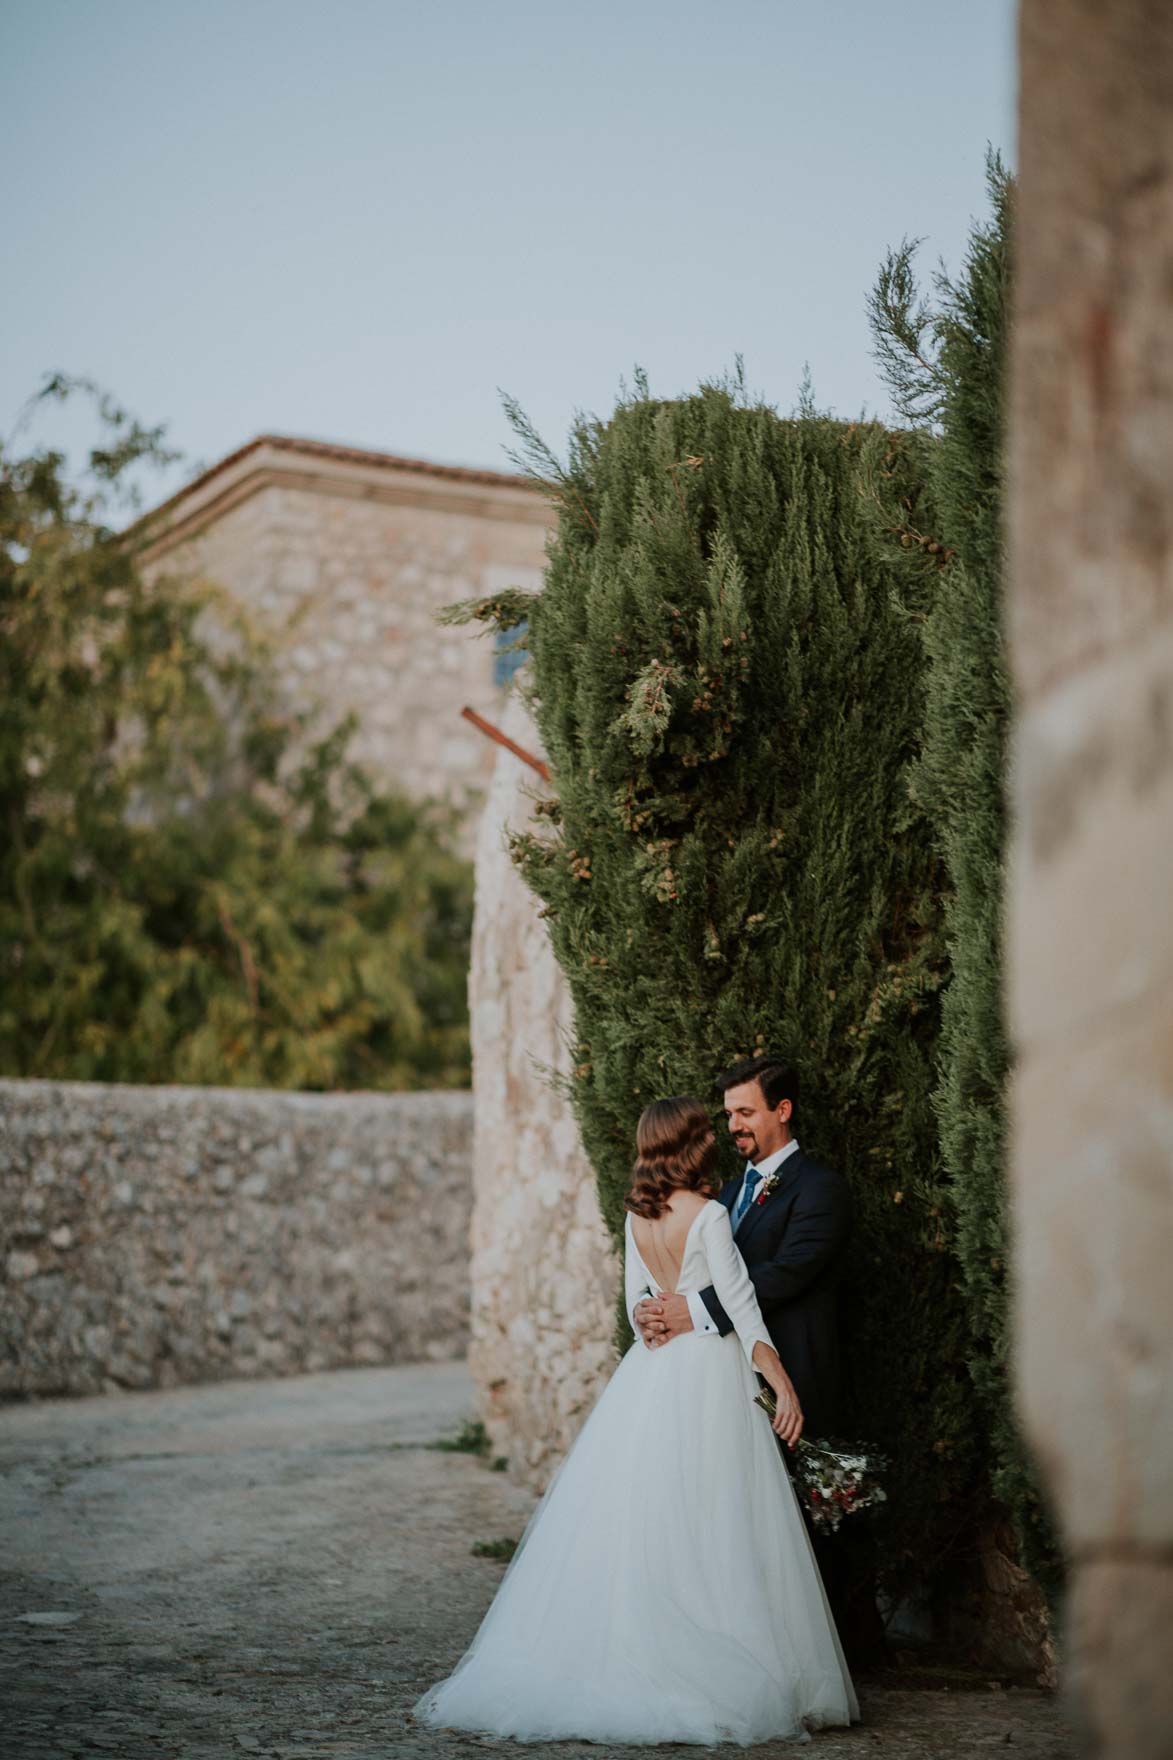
(661, 1240)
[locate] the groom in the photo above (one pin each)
(791, 1219)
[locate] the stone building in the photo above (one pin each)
(342, 558)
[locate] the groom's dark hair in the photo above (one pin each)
(774, 1077)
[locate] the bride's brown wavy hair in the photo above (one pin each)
(676, 1150)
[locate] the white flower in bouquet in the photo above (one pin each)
(833, 1480)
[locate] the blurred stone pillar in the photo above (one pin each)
(544, 1274)
(1090, 479)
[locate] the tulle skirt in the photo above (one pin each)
(665, 1589)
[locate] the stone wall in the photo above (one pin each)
(151, 1236)
(342, 565)
(1091, 921)
(544, 1274)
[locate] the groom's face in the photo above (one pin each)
(757, 1129)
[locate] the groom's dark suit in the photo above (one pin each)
(792, 1244)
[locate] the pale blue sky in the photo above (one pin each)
(354, 221)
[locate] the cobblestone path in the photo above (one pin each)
(279, 1568)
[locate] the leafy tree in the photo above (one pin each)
(191, 889)
(731, 697)
(944, 357)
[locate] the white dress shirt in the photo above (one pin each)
(702, 1320)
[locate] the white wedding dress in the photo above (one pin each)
(665, 1589)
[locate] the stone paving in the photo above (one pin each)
(279, 1568)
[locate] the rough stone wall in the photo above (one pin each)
(347, 590)
(1091, 919)
(544, 1274)
(152, 1236)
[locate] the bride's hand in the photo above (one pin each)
(648, 1316)
(787, 1421)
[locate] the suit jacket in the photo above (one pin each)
(792, 1244)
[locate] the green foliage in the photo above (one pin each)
(500, 1550)
(945, 360)
(731, 698)
(191, 888)
(472, 1438)
(507, 610)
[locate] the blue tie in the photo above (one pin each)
(752, 1176)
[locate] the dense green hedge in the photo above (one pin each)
(945, 362)
(731, 695)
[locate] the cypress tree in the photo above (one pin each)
(731, 697)
(945, 362)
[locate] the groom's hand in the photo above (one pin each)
(665, 1318)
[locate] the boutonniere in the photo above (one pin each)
(769, 1186)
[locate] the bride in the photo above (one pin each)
(665, 1589)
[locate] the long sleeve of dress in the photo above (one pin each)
(731, 1281)
(635, 1278)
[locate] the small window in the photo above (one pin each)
(507, 658)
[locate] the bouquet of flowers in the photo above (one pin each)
(833, 1480)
